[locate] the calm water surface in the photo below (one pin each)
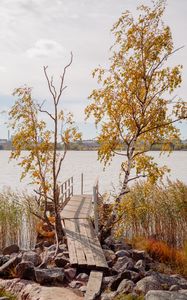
(85, 162)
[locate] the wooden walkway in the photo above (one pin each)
(83, 244)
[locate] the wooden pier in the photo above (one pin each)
(82, 240)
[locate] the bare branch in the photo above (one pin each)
(118, 153)
(53, 87)
(43, 195)
(45, 111)
(62, 78)
(49, 84)
(136, 177)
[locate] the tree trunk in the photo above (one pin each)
(58, 225)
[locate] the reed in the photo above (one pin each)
(158, 212)
(16, 222)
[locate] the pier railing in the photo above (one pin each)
(66, 189)
(95, 202)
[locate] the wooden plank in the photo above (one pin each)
(78, 246)
(77, 207)
(70, 242)
(94, 285)
(86, 244)
(99, 257)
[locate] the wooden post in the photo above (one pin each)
(82, 183)
(95, 197)
(72, 186)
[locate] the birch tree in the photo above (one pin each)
(42, 162)
(131, 102)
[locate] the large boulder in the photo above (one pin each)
(168, 280)
(49, 276)
(33, 257)
(165, 295)
(26, 289)
(25, 270)
(7, 270)
(148, 283)
(11, 249)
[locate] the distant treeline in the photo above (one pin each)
(92, 145)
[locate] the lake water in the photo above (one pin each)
(86, 162)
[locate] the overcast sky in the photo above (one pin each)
(34, 33)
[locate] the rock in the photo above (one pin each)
(108, 296)
(25, 289)
(32, 257)
(165, 295)
(123, 263)
(113, 285)
(47, 243)
(107, 280)
(109, 255)
(11, 249)
(140, 264)
(135, 277)
(3, 259)
(138, 254)
(61, 260)
(122, 246)
(83, 289)
(169, 280)
(174, 288)
(146, 284)
(179, 280)
(75, 284)
(5, 269)
(52, 248)
(122, 253)
(109, 241)
(82, 277)
(25, 270)
(50, 276)
(62, 247)
(110, 263)
(126, 286)
(70, 273)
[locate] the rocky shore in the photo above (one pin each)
(40, 275)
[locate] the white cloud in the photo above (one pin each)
(44, 48)
(2, 69)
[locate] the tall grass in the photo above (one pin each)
(158, 212)
(16, 222)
